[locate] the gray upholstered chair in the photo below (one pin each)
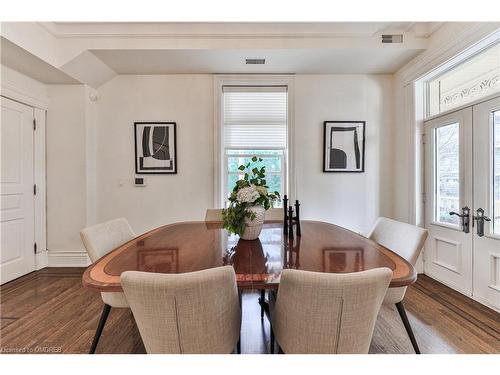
(99, 240)
(317, 312)
(407, 241)
(195, 312)
(213, 215)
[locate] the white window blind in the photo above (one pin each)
(255, 117)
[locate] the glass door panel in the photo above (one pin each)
(447, 169)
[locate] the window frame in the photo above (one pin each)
(220, 157)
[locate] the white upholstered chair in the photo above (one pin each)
(407, 241)
(99, 240)
(195, 312)
(213, 215)
(316, 312)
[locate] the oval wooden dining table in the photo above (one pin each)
(193, 246)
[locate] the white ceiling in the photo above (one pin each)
(301, 61)
(94, 52)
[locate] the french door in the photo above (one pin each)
(462, 172)
(16, 187)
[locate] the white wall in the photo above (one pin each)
(66, 170)
(352, 200)
(90, 154)
(185, 99)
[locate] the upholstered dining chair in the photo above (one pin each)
(275, 214)
(407, 241)
(213, 215)
(320, 313)
(195, 312)
(99, 240)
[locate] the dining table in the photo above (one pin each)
(258, 264)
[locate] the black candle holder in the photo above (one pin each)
(289, 219)
(285, 215)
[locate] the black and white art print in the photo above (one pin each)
(155, 148)
(344, 146)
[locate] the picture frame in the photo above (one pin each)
(344, 146)
(155, 147)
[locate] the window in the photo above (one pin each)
(468, 81)
(447, 169)
(255, 123)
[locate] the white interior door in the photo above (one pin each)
(486, 232)
(16, 187)
(448, 175)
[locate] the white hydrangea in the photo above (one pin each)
(262, 190)
(247, 195)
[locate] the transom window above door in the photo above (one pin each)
(470, 80)
(254, 123)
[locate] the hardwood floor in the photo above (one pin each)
(50, 311)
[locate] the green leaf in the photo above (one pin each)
(254, 159)
(241, 167)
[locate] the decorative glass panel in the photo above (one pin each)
(447, 167)
(477, 77)
(496, 172)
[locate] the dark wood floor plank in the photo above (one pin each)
(50, 310)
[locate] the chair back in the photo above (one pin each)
(275, 214)
(196, 312)
(404, 239)
(326, 312)
(213, 215)
(100, 239)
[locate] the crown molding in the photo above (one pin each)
(233, 30)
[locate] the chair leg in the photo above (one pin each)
(406, 322)
(271, 344)
(262, 299)
(100, 327)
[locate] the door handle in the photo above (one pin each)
(480, 219)
(465, 216)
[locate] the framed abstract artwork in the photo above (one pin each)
(155, 147)
(344, 146)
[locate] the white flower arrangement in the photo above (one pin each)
(247, 194)
(250, 191)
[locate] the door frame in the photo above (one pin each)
(40, 106)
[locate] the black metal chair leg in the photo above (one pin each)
(262, 299)
(271, 344)
(406, 322)
(100, 327)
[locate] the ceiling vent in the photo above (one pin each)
(392, 38)
(255, 61)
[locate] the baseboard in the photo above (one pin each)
(68, 259)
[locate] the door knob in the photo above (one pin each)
(465, 216)
(480, 219)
